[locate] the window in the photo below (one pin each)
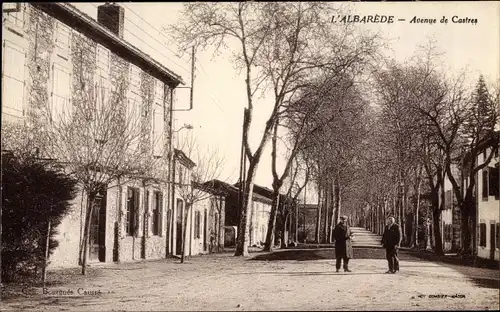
(102, 77)
(181, 173)
(13, 67)
(63, 40)
(157, 211)
(159, 90)
(497, 241)
(132, 210)
(132, 120)
(135, 79)
(102, 55)
(197, 224)
(482, 234)
(61, 93)
(14, 14)
(158, 131)
(485, 184)
(493, 180)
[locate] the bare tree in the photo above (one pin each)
(100, 143)
(301, 173)
(431, 124)
(279, 46)
(460, 123)
(208, 165)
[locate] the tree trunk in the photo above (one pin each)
(297, 223)
(222, 217)
(404, 211)
(246, 209)
(268, 246)
(338, 202)
(417, 208)
(331, 216)
(438, 243)
(318, 218)
(184, 231)
(82, 226)
(45, 262)
(326, 204)
(284, 235)
(86, 232)
(457, 227)
(436, 218)
(466, 233)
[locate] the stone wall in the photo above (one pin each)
(83, 65)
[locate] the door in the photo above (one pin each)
(492, 241)
(98, 229)
(179, 227)
(205, 231)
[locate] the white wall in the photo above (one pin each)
(488, 212)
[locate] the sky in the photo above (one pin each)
(219, 91)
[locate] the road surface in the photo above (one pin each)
(283, 280)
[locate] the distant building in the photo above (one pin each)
(307, 222)
(258, 219)
(447, 215)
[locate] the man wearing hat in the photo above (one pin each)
(391, 240)
(343, 248)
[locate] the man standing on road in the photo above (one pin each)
(391, 240)
(343, 248)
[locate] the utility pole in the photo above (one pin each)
(170, 226)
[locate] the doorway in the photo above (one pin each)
(179, 227)
(493, 242)
(97, 244)
(205, 231)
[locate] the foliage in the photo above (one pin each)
(34, 193)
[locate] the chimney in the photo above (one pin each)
(112, 16)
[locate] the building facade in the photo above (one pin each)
(52, 53)
(258, 218)
(488, 206)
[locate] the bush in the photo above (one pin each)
(33, 193)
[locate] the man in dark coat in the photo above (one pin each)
(343, 248)
(391, 240)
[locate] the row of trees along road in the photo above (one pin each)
(374, 133)
(428, 125)
(283, 50)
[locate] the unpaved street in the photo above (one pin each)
(284, 280)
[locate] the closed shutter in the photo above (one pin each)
(13, 69)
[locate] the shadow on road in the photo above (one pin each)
(312, 273)
(485, 279)
(323, 253)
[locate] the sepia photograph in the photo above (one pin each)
(250, 156)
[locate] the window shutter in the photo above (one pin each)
(13, 72)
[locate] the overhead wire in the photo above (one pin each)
(156, 29)
(138, 38)
(171, 42)
(136, 75)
